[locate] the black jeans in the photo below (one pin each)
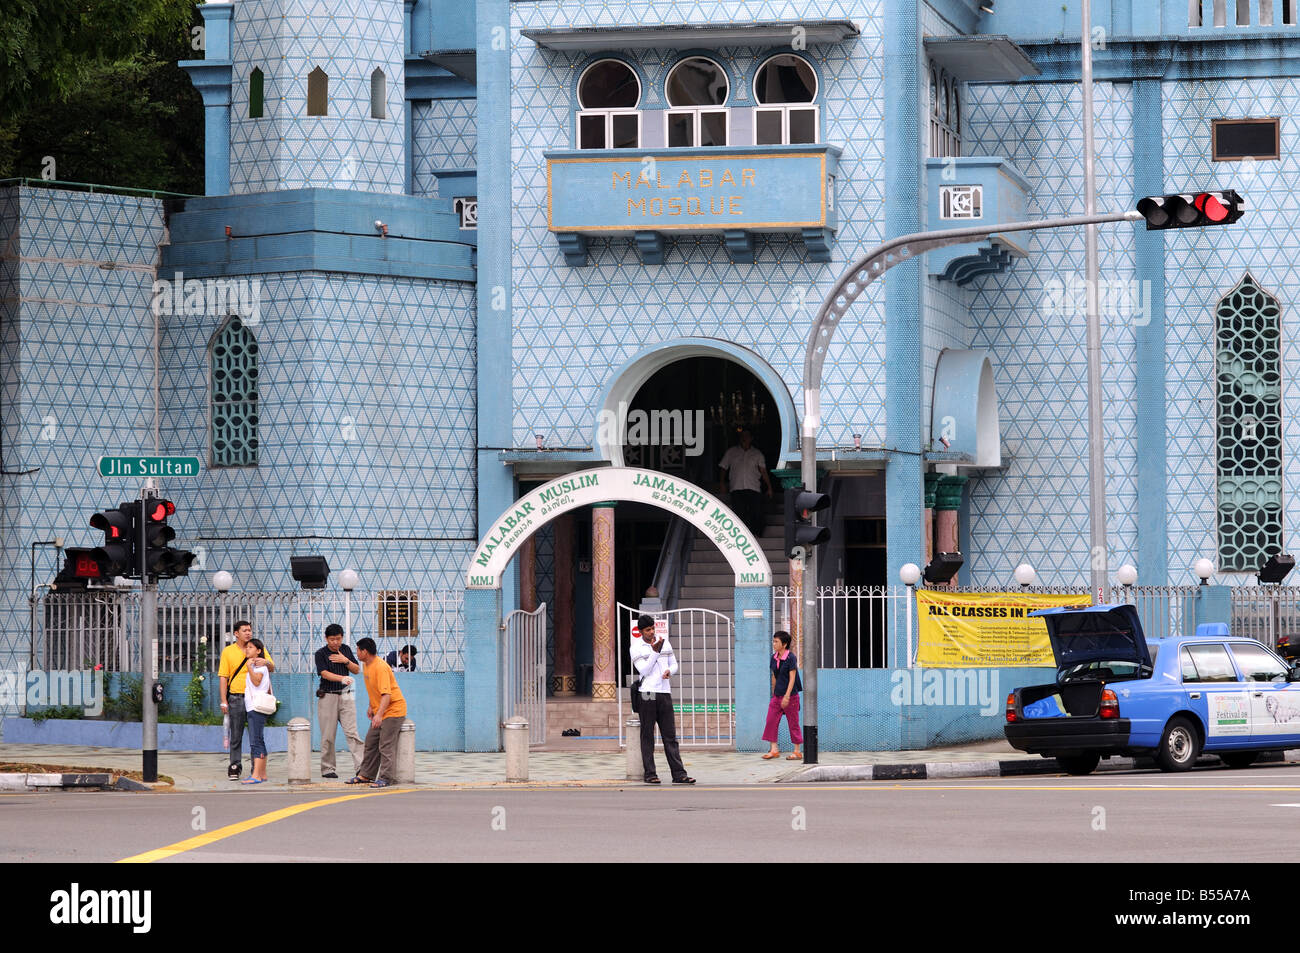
(659, 710)
(748, 505)
(238, 718)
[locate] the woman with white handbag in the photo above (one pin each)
(260, 704)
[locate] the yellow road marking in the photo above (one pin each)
(230, 830)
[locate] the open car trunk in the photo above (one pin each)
(1076, 699)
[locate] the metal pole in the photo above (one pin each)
(812, 636)
(1096, 433)
(148, 649)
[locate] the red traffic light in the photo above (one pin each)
(1209, 205)
(1193, 210)
(159, 510)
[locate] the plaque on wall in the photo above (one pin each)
(399, 613)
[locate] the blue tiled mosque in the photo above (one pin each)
(464, 231)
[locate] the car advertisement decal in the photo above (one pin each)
(1229, 713)
(1276, 712)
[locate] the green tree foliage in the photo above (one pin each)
(94, 85)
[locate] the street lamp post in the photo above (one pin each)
(836, 304)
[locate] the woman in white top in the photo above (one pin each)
(258, 683)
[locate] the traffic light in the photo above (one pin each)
(1196, 210)
(79, 568)
(117, 557)
(800, 534)
(161, 561)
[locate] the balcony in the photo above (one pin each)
(968, 191)
(735, 192)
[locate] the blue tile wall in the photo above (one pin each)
(574, 326)
(445, 134)
(78, 371)
(1037, 510)
(1204, 265)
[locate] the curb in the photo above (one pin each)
(11, 783)
(1017, 767)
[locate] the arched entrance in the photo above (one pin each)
(752, 600)
(718, 379)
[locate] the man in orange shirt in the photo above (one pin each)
(387, 712)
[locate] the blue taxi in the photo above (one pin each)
(1117, 693)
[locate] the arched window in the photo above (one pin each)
(696, 89)
(945, 114)
(378, 95)
(609, 92)
(318, 92)
(233, 364)
(785, 87)
(1248, 406)
(256, 97)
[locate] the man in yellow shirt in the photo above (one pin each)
(387, 712)
(231, 675)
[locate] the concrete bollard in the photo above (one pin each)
(515, 732)
(406, 753)
(632, 732)
(299, 751)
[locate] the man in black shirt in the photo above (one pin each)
(337, 700)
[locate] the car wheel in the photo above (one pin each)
(1180, 746)
(1078, 763)
(1240, 759)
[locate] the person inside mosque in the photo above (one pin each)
(743, 468)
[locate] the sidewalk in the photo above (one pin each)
(207, 771)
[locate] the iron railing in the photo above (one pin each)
(78, 630)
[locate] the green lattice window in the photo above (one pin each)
(234, 396)
(1248, 403)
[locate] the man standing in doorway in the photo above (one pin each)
(743, 469)
(232, 674)
(654, 661)
(336, 700)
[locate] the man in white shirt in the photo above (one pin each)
(743, 468)
(654, 661)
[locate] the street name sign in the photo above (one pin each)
(149, 466)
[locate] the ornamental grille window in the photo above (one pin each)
(1248, 403)
(234, 396)
(945, 114)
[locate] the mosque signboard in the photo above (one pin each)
(697, 506)
(760, 189)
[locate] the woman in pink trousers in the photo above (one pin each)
(785, 697)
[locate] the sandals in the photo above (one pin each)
(770, 755)
(381, 783)
(253, 781)
(797, 756)
(358, 779)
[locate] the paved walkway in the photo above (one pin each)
(207, 771)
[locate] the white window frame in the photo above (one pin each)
(784, 110)
(608, 115)
(686, 59)
(640, 92)
(695, 112)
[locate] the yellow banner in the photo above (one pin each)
(985, 629)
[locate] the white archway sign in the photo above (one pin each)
(695, 505)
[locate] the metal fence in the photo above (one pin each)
(79, 630)
(1268, 614)
(524, 670)
(856, 621)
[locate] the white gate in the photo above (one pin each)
(704, 688)
(525, 670)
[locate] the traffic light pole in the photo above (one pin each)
(845, 291)
(148, 648)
